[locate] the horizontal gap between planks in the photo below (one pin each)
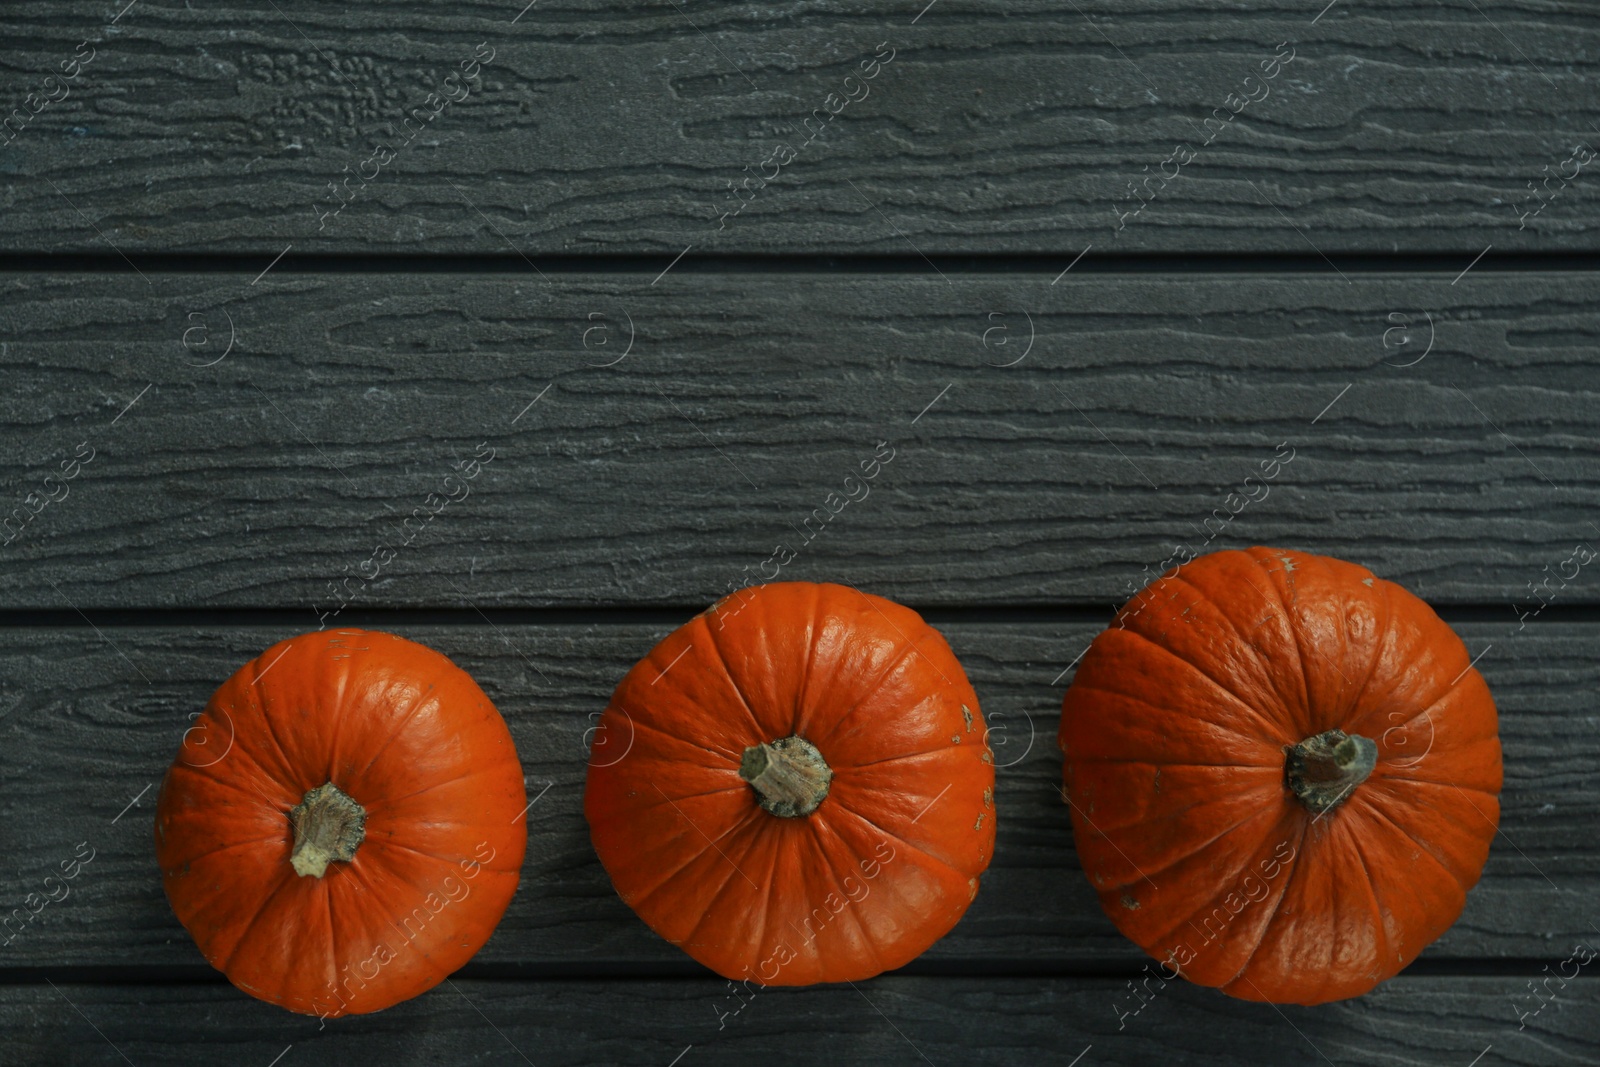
(641, 615)
(650, 264)
(688, 970)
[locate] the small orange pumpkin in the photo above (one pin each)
(1283, 772)
(795, 786)
(342, 826)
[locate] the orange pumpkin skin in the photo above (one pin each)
(407, 735)
(1180, 733)
(886, 863)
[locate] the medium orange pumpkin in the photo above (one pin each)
(342, 826)
(795, 786)
(1283, 774)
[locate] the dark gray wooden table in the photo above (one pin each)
(276, 265)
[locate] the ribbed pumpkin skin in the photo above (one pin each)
(883, 868)
(409, 736)
(1174, 733)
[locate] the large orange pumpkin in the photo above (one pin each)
(795, 786)
(342, 827)
(1283, 774)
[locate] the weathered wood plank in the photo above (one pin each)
(594, 128)
(94, 722)
(1144, 402)
(1409, 1022)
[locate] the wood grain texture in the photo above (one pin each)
(95, 721)
(1407, 125)
(1132, 411)
(892, 1021)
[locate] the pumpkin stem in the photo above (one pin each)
(328, 826)
(1322, 770)
(790, 776)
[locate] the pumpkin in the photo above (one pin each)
(342, 827)
(795, 786)
(1283, 774)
